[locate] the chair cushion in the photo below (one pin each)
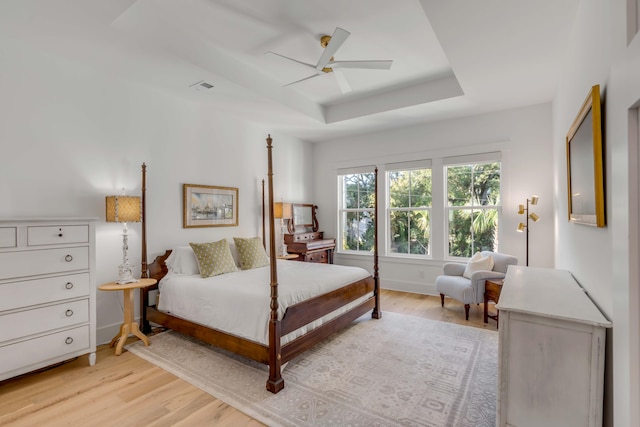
(456, 287)
(478, 262)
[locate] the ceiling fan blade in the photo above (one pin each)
(370, 65)
(301, 80)
(345, 87)
(294, 60)
(338, 37)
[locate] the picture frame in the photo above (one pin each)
(585, 177)
(209, 206)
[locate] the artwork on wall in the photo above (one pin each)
(585, 178)
(209, 206)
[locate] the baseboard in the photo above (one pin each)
(413, 287)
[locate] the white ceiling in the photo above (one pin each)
(450, 58)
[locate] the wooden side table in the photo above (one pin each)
(492, 289)
(129, 326)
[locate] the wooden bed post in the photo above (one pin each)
(145, 327)
(275, 383)
(264, 230)
(376, 313)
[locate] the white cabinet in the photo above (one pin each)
(47, 293)
(551, 351)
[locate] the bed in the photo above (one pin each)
(292, 314)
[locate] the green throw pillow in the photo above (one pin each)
(214, 258)
(251, 253)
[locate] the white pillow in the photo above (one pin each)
(182, 261)
(477, 263)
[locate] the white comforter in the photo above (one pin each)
(238, 303)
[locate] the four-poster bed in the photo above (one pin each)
(332, 310)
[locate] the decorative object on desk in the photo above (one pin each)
(522, 227)
(124, 209)
(585, 179)
(209, 206)
(282, 211)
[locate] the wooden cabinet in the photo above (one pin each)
(311, 247)
(47, 293)
(551, 351)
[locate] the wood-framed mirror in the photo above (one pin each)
(303, 216)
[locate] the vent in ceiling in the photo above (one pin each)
(201, 86)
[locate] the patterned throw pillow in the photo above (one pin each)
(214, 258)
(251, 253)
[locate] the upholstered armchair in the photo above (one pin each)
(470, 289)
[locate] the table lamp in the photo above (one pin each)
(124, 209)
(282, 211)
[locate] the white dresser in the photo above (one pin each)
(551, 351)
(47, 293)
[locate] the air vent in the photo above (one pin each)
(201, 85)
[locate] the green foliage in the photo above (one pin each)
(359, 199)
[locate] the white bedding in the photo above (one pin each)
(238, 303)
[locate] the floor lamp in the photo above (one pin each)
(522, 227)
(124, 209)
(282, 211)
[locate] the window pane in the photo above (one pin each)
(419, 232)
(399, 223)
(460, 233)
(485, 230)
(459, 185)
(357, 232)
(409, 232)
(486, 184)
(410, 188)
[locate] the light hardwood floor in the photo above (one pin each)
(126, 390)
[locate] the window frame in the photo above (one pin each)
(469, 161)
(342, 210)
(406, 167)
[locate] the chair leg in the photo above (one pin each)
(442, 299)
(466, 311)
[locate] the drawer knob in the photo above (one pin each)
(69, 340)
(60, 233)
(68, 313)
(68, 258)
(68, 285)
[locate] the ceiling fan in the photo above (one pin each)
(326, 63)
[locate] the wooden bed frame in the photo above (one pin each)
(296, 316)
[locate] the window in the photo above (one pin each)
(409, 210)
(357, 198)
(473, 208)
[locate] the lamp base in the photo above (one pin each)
(125, 274)
(284, 250)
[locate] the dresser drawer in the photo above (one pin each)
(40, 291)
(43, 319)
(303, 237)
(320, 257)
(32, 263)
(57, 235)
(29, 352)
(8, 237)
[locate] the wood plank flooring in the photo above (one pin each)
(126, 390)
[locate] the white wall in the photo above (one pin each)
(524, 137)
(605, 260)
(71, 136)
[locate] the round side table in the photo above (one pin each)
(129, 326)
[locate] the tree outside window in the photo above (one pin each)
(356, 213)
(473, 193)
(409, 211)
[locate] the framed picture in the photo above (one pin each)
(209, 206)
(585, 179)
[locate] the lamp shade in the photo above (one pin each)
(521, 227)
(534, 199)
(282, 210)
(534, 217)
(123, 209)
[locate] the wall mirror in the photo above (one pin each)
(303, 217)
(585, 180)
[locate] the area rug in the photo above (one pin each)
(399, 370)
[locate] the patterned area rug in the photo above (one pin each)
(398, 370)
